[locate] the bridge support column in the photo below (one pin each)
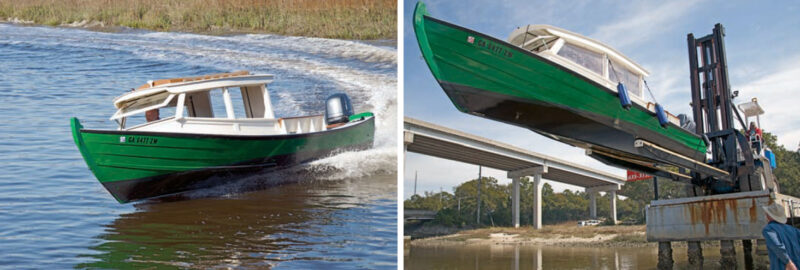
(611, 190)
(537, 193)
(613, 194)
(537, 201)
(593, 205)
(515, 202)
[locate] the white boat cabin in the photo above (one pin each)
(590, 58)
(235, 103)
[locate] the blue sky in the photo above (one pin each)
(762, 48)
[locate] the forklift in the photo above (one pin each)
(726, 206)
(730, 149)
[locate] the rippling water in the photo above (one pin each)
(337, 212)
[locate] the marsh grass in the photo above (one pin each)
(343, 19)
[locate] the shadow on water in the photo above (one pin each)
(307, 224)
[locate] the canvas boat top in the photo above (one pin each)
(587, 57)
(236, 103)
(189, 84)
(540, 35)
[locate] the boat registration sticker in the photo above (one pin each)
(122, 139)
(471, 39)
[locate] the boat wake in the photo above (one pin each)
(306, 70)
(314, 68)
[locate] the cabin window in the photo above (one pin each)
(218, 103)
(586, 58)
(630, 79)
(145, 102)
(253, 100)
(236, 101)
(247, 102)
(152, 111)
(153, 115)
(198, 104)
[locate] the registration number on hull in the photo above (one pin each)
(138, 139)
(490, 46)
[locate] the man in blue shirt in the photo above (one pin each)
(783, 241)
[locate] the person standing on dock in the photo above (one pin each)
(783, 241)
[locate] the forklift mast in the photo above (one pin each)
(714, 112)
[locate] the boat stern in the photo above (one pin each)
(368, 129)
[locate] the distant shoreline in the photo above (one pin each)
(342, 19)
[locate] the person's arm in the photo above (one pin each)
(775, 246)
(790, 266)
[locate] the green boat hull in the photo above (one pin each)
(138, 165)
(493, 79)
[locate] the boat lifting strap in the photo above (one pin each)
(681, 160)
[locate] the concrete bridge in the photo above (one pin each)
(438, 141)
(418, 214)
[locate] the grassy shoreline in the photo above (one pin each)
(340, 19)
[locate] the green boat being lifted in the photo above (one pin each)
(192, 149)
(566, 87)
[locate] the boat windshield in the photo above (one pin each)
(627, 77)
(586, 58)
(150, 102)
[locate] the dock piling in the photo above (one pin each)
(747, 248)
(665, 261)
(728, 252)
(695, 252)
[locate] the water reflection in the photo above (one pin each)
(306, 224)
(551, 257)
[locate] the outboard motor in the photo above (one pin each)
(338, 109)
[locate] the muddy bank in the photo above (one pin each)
(552, 235)
(562, 235)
